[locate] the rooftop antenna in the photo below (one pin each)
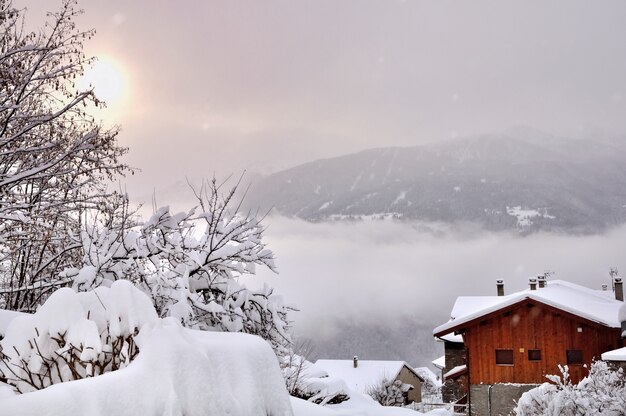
(613, 274)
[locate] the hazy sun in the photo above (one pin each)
(107, 79)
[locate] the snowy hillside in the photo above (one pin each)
(525, 181)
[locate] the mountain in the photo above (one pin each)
(526, 181)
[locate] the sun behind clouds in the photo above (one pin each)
(109, 81)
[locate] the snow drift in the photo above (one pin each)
(178, 371)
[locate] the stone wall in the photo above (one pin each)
(496, 399)
(453, 390)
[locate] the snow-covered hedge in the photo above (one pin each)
(603, 391)
(74, 336)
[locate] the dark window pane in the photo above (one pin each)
(534, 355)
(574, 356)
(504, 357)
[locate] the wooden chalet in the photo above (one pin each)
(511, 342)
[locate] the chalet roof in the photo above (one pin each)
(5, 318)
(615, 355)
(367, 374)
(594, 305)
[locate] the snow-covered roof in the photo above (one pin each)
(440, 362)
(615, 355)
(594, 305)
(367, 374)
(458, 370)
(5, 318)
(452, 338)
(427, 374)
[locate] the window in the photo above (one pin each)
(534, 355)
(504, 357)
(574, 356)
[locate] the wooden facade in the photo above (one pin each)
(531, 325)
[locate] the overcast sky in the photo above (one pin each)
(218, 86)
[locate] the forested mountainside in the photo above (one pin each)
(526, 182)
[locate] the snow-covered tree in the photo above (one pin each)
(189, 263)
(390, 392)
(54, 157)
(603, 391)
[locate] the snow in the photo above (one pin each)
(455, 371)
(525, 216)
(5, 318)
(587, 303)
(367, 374)
(453, 338)
(427, 374)
(615, 355)
(382, 216)
(440, 362)
(325, 205)
(401, 197)
(178, 372)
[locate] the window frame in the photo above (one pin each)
(534, 360)
(569, 353)
(505, 350)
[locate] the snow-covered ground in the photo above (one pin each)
(525, 216)
(178, 372)
(358, 405)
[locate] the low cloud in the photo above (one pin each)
(379, 271)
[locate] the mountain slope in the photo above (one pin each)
(527, 182)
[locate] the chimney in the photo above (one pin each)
(542, 281)
(533, 283)
(500, 287)
(619, 288)
(355, 361)
(605, 287)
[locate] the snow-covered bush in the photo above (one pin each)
(179, 372)
(603, 391)
(189, 263)
(74, 336)
(390, 392)
(305, 381)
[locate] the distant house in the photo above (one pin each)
(362, 375)
(511, 342)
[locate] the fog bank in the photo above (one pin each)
(379, 271)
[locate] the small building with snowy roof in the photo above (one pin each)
(513, 341)
(362, 375)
